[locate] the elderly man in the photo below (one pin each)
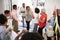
(22, 10)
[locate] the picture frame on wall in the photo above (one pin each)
(38, 2)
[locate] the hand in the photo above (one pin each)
(24, 31)
(48, 20)
(10, 29)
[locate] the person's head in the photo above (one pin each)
(15, 7)
(37, 10)
(3, 20)
(54, 14)
(42, 11)
(31, 36)
(58, 12)
(7, 13)
(27, 8)
(23, 5)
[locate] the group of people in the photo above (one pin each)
(27, 14)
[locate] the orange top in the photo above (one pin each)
(43, 16)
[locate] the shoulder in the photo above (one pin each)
(1, 29)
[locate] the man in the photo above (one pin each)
(7, 13)
(22, 10)
(50, 23)
(58, 14)
(42, 21)
(3, 25)
(15, 18)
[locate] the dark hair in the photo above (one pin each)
(37, 10)
(23, 3)
(14, 6)
(27, 7)
(3, 19)
(6, 12)
(31, 36)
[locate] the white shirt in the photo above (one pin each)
(22, 9)
(36, 18)
(2, 32)
(14, 14)
(28, 15)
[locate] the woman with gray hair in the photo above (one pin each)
(42, 21)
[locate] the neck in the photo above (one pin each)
(23, 7)
(2, 25)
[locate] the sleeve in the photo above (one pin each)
(32, 14)
(1, 35)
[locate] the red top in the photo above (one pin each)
(41, 25)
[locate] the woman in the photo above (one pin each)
(29, 16)
(42, 21)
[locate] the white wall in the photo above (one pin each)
(49, 5)
(4, 5)
(1, 6)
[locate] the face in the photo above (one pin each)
(28, 9)
(7, 15)
(42, 13)
(23, 5)
(58, 12)
(16, 8)
(5, 24)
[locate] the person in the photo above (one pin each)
(42, 21)
(15, 18)
(29, 15)
(32, 36)
(3, 24)
(58, 15)
(29, 36)
(49, 24)
(36, 17)
(7, 13)
(21, 34)
(22, 10)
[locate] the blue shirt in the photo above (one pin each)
(2, 32)
(51, 23)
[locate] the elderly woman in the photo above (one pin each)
(42, 21)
